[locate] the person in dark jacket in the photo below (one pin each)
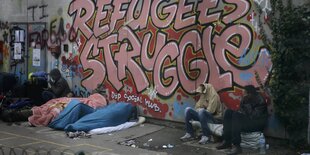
(251, 116)
(58, 86)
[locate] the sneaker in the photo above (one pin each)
(203, 140)
(186, 137)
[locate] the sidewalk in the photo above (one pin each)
(171, 136)
(172, 131)
(146, 139)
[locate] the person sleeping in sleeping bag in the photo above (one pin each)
(81, 117)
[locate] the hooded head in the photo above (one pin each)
(201, 89)
(55, 74)
(250, 90)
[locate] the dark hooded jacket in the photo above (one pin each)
(59, 85)
(254, 106)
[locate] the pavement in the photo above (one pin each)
(146, 139)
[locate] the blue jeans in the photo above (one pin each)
(203, 116)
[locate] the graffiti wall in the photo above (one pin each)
(4, 46)
(154, 53)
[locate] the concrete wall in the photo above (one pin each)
(152, 54)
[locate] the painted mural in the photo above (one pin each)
(154, 53)
(4, 46)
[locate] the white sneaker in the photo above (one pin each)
(186, 137)
(203, 140)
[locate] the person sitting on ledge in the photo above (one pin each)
(208, 109)
(251, 116)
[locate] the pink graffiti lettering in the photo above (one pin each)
(155, 42)
(148, 62)
(100, 16)
(203, 8)
(169, 51)
(118, 13)
(140, 21)
(83, 14)
(169, 11)
(111, 67)
(243, 7)
(219, 80)
(198, 64)
(89, 63)
(125, 59)
(223, 45)
(180, 20)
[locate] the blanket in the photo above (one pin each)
(44, 114)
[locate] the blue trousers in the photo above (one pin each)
(203, 116)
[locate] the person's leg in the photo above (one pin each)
(47, 95)
(227, 125)
(238, 122)
(190, 114)
(204, 118)
(227, 129)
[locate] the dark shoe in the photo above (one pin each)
(134, 114)
(223, 145)
(235, 150)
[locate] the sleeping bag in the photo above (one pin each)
(111, 115)
(71, 113)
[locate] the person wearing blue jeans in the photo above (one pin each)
(208, 109)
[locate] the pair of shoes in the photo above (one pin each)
(223, 145)
(235, 150)
(186, 137)
(134, 115)
(78, 134)
(204, 140)
(72, 134)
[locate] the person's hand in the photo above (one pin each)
(200, 109)
(47, 88)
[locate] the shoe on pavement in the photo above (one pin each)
(204, 140)
(187, 136)
(235, 150)
(223, 145)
